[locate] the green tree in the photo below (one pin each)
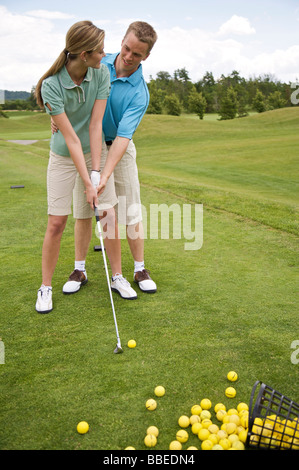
(182, 86)
(2, 113)
(229, 105)
(173, 105)
(259, 102)
(197, 103)
(207, 86)
(276, 100)
(156, 99)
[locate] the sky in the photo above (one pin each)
(253, 37)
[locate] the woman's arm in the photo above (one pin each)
(74, 145)
(95, 133)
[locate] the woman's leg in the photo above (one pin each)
(51, 246)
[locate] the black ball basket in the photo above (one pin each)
(273, 420)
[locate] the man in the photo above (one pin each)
(126, 106)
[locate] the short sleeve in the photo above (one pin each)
(52, 96)
(104, 83)
(132, 117)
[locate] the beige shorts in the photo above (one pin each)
(66, 186)
(127, 188)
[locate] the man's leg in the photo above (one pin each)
(127, 188)
(83, 234)
(135, 238)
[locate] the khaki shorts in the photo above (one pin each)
(65, 185)
(127, 188)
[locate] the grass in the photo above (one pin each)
(229, 306)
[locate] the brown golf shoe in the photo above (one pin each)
(145, 282)
(75, 281)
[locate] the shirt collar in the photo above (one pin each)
(133, 79)
(66, 80)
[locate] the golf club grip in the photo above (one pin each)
(96, 212)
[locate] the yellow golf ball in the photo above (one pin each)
(153, 430)
(205, 414)
(196, 410)
(159, 391)
(182, 436)
(132, 343)
(230, 392)
(206, 445)
(243, 436)
(205, 404)
(232, 376)
(151, 404)
(194, 419)
(130, 448)
(238, 445)
(196, 428)
(82, 427)
(203, 434)
(206, 423)
(220, 414)
(231, 428)
(175, 445)
(184, 421)
(219, 406)
(150, 440)
(213, 428)
(225, 443)
(242, 407)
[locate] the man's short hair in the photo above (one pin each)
(144, 32)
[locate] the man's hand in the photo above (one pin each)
(54, 128)
(102, 184)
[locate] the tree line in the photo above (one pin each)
(229, 96)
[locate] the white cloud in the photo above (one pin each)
(28, 47)
(49, 15)
(283, 63)
(30, 44)
(236, 25)
(196, 50)
(199, 52)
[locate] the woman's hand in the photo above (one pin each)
(91, 196)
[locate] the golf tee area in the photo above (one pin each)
(225, 304)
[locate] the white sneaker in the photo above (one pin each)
(74, 282)
(120, 285)
(145, 282)
(44, 300)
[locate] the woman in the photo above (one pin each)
(74, 92)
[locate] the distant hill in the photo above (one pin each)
(16, 95)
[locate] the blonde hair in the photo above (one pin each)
(82, 36)
(144, 32)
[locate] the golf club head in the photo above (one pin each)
(118, 349)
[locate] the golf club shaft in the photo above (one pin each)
(107, 273)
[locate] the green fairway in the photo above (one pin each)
(230, 305)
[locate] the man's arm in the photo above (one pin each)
(115, 154)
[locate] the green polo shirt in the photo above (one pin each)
(77, 101)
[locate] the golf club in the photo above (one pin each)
(118, 348)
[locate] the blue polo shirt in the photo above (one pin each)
(76, 101)
(127, 102)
